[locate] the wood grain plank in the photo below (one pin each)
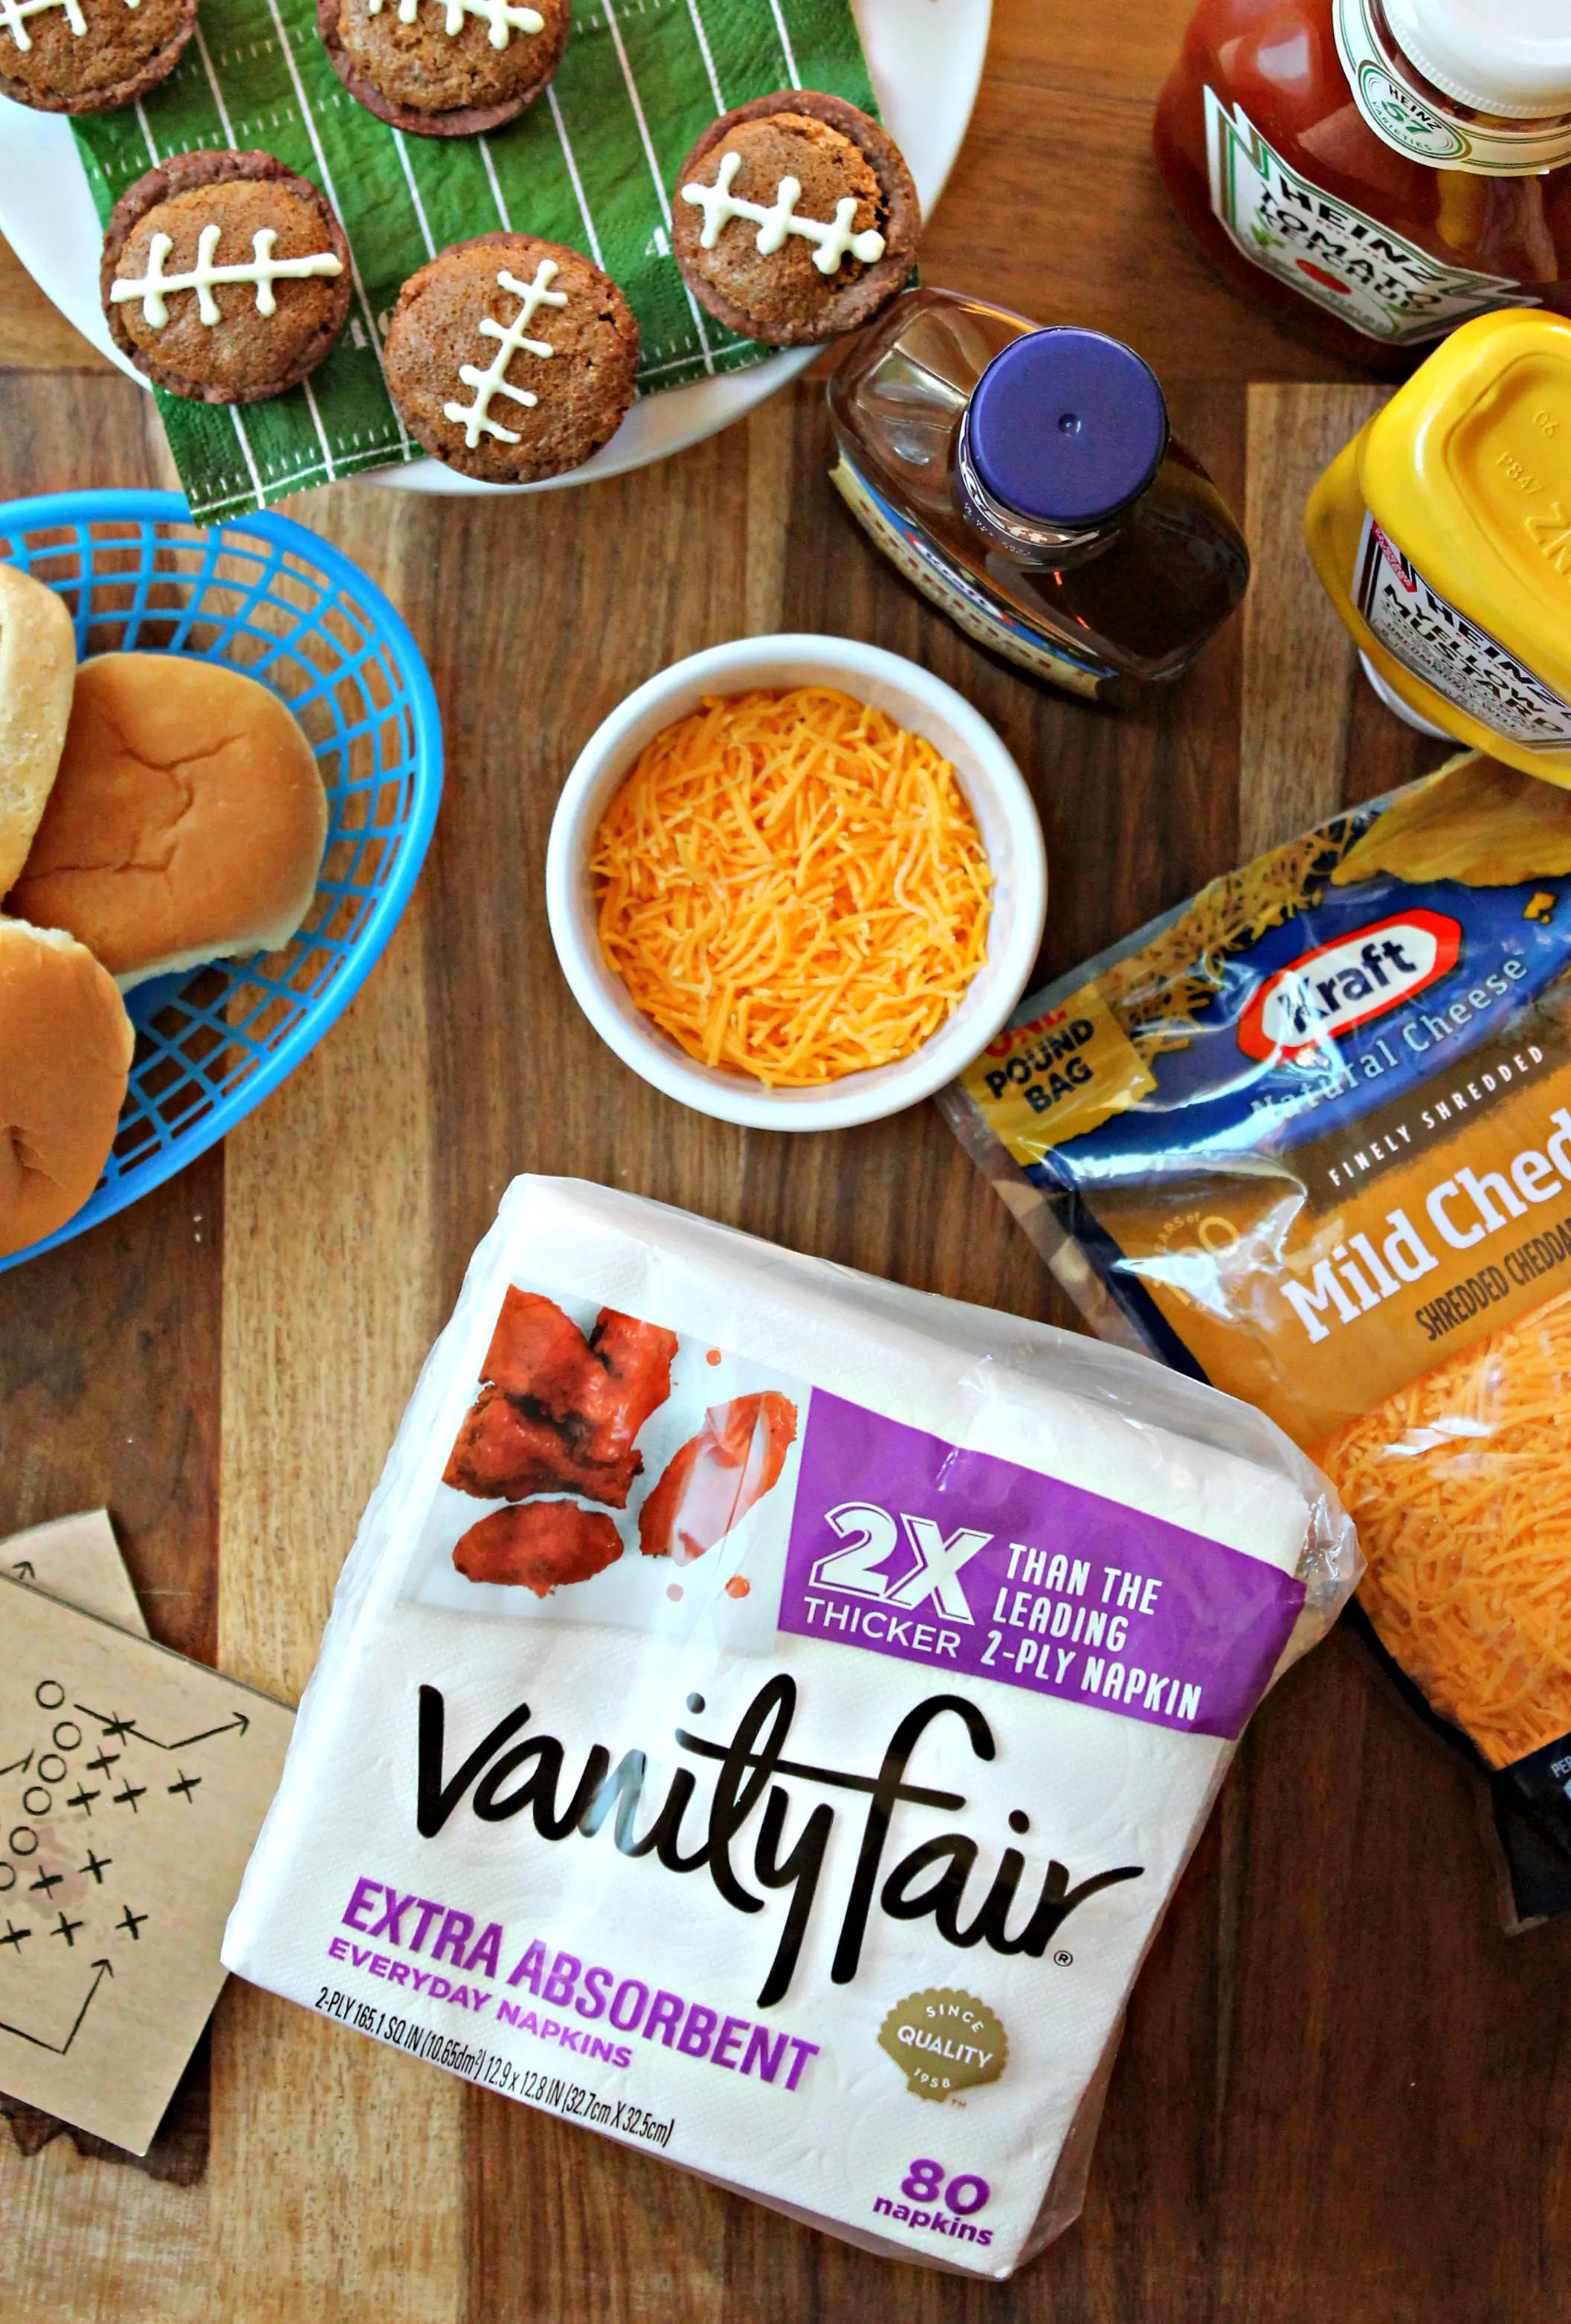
(1409, 2130)
(565, 2226)
(768, 515)
(1341, 2091)
(109, 1351)
(1315, 735)
(1299, 662)
(108, 1348)
(35, 335)
(1395, 2198)
(92, 2242)
(671, 560)
(1123, 48)
(1153, 800)
(336, 2162)
(1056, 209)
(327, 1313)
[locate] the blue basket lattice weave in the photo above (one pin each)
(270, 598)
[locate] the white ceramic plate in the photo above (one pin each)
(925, 59)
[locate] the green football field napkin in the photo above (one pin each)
(591, 163)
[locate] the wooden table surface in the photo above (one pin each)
(1343, 2092)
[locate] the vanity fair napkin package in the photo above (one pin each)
(766, 1712)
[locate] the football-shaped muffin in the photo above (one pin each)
(795, 218)
(443, 67)
(226, 277)
(87, 56)
(511, 358)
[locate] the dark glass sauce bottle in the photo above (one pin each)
(1028, 483)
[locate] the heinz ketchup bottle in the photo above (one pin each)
(1377, 170)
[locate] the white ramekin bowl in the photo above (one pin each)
(916, 700)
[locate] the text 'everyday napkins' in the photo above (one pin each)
(766, 1712)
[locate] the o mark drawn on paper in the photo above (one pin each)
(64, 1801)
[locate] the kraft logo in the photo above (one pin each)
(1325, 993)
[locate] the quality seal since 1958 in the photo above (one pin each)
(944, 2040)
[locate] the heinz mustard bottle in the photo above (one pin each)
(1376, 171)
(1443, 534)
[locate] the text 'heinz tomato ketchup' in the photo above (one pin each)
(1376, 170)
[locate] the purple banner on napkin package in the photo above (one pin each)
(905, 1546)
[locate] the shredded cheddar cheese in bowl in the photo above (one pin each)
(792, 887)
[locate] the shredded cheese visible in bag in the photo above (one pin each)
(1460, 1487)
(792, 885)
(1310, 1136)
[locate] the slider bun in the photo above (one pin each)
(65, 1055)
(187, 822)
(38, 667)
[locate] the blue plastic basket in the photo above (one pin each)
(270, 598)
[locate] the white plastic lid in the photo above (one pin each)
(1510, 57)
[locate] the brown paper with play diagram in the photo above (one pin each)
(132, 1784)
(76, 1558)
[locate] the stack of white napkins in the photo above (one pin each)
(898, 1836)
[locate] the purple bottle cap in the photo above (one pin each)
(1067, 426)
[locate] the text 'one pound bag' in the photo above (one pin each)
(766, 1712)
(1308, 1138)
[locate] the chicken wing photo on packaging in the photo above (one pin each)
(558, 1413)
(538, 1546)
(718, 1476)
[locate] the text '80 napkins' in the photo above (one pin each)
(766, 1712)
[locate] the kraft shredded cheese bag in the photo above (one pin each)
(1308, 1138)
(766, 1712)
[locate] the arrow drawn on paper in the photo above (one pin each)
(18, 1766)
(23, 1566)
(106, 1969)
(118, 1726)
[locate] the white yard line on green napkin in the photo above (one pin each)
(591, 163)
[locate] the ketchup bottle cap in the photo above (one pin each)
(1506, 57)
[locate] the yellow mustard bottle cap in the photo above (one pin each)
(1468, 470)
